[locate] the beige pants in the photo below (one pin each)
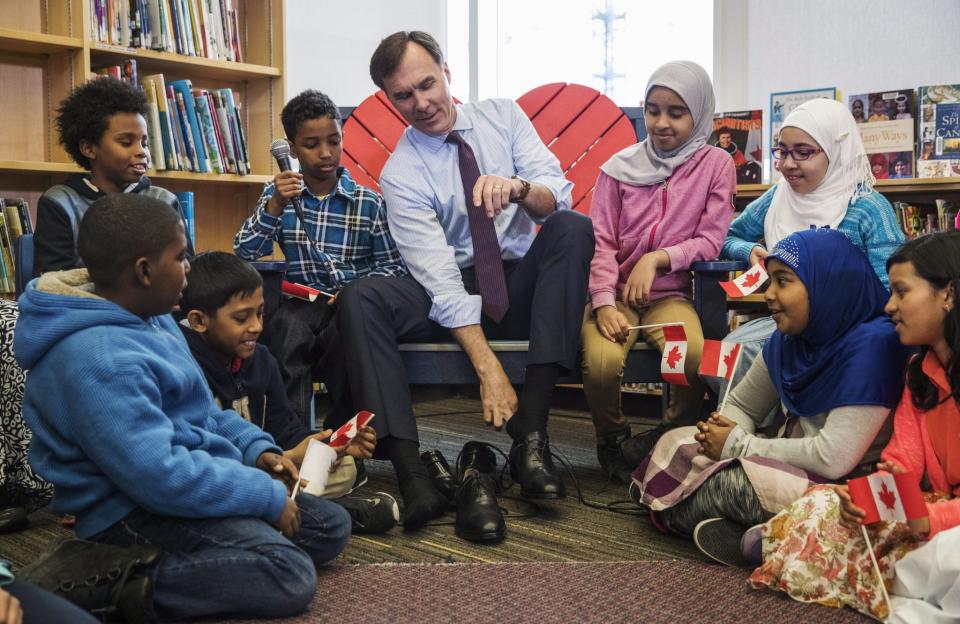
(603, 363)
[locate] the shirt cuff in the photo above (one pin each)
(678, 259)
(561, 188)
(453, 311)
(266, 223)
(732, 447)
(740, 250)
(257, 448)
(603, 298)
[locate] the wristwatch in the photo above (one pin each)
(524, 191)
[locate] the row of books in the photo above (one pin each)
(907, 133)
(205, 28)
(922, 219)
(190, 129)
(14, 223)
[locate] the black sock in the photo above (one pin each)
(421, 500)
(534, 401)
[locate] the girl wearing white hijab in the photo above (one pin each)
(658, 207)
(826, 182)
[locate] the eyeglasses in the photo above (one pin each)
(799, 153)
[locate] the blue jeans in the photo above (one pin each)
(239, 566)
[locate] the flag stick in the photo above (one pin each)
(733, 373)
(876, 566)
(654, 325)
(296, 489)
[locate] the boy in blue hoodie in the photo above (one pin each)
(129, 434)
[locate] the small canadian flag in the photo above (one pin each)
(674, 355)
(719, 358)
(888, 497)
(300, 291)
(747, 283)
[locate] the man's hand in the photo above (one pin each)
(757, 255)
(636, 292)
(279, 467)
(498, 398)
(612, 323)
(712, 435)
(287, 185)
(494, 192)
(289, 520)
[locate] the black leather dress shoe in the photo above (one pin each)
(611, 460)
(479, 518)
(440, 474)
(13, 519)
(532, 467)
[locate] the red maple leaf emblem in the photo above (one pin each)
(887, 497)
(751, 279)
(729, 358)
(674, 356)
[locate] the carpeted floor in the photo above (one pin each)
(644, 591)
(581, 564)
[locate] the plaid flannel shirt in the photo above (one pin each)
(350, 229)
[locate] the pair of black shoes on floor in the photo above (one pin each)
(479, 517)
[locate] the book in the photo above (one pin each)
(226, 134)
(156, 133)
(23, 212)
(171, 156)
(781, 105)
(740, 134)
(207, 132)
(886, 123)
(14, 226)
(184, 88)
(186, 205)
(186, 135)
(8, 277)
(939, 131)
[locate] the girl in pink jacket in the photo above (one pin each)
(658, 207)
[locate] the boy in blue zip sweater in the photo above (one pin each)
(126, 429)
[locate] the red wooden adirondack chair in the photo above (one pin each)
(581, 126)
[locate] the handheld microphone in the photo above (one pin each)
(280, 150)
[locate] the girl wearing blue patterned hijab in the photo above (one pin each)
(848, 352)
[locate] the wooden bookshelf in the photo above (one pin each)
(908, 189)
(46, 51)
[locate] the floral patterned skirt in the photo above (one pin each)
(809, 555)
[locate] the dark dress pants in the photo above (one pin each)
(547, 290)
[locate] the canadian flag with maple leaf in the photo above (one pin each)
(718, 358)
(888, 497)
(747, 283)
(674, 355)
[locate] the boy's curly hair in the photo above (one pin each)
(307, 105)
(83, 116)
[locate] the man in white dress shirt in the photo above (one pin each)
(465, 189)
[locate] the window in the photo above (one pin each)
(611, 45)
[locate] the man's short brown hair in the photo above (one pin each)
(389, 53)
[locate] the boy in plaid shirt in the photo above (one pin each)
(345, 237)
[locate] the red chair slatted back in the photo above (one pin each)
(581, 126)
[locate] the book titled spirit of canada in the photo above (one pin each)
(939, 130)
(740, 134)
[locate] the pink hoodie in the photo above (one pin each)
(687, 216)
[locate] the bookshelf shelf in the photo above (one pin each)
(26, 42)
(887, 187)
(150, 61)
(39, 167)
(226, 178)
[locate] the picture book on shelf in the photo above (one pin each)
(939, 131)
(781, 105)
(886, 123)
(740, 134)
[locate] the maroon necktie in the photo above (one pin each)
(487, 263)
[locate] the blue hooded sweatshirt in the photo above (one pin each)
(122, 416)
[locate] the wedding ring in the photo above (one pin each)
(498, 187)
